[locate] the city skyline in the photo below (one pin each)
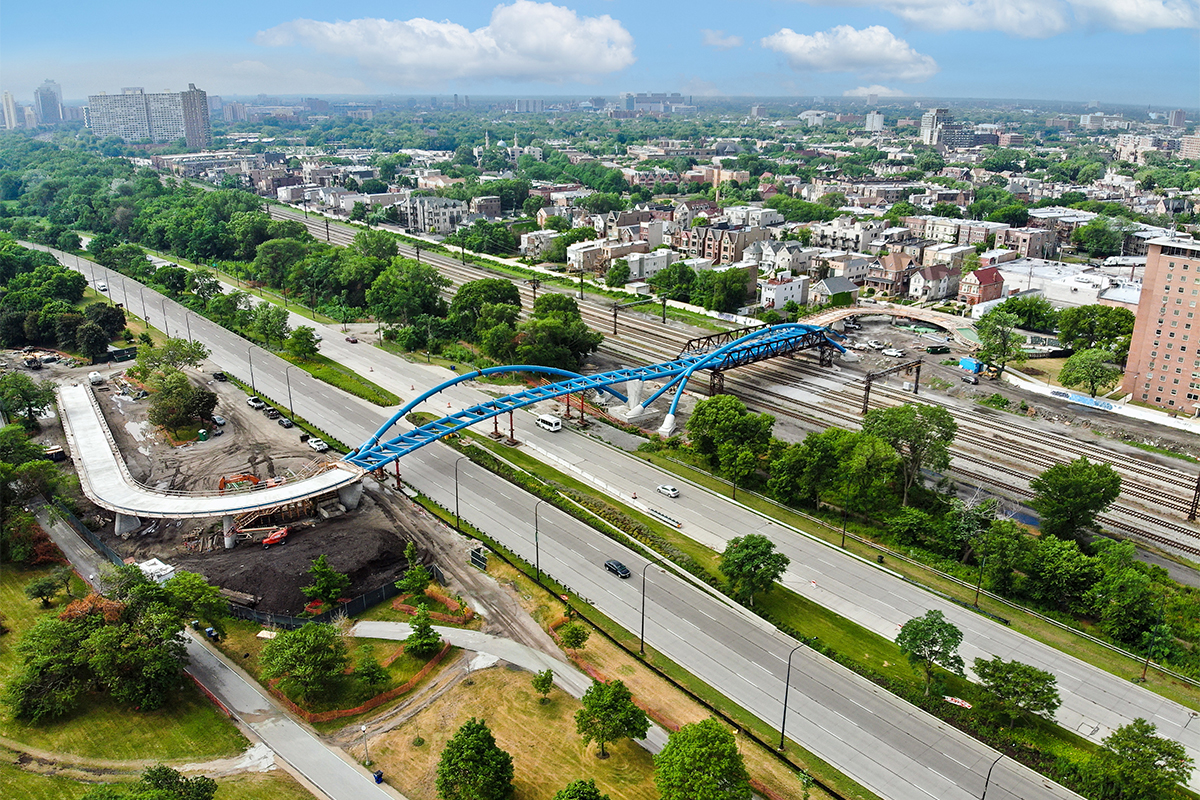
(1057, 50)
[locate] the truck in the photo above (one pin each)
(971, 365)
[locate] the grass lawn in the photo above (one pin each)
(56, 785)
(385, 613)
(189, 728)
(325, 369)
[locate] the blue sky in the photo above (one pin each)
(1118, 51)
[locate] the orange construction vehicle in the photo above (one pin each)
(277, 536)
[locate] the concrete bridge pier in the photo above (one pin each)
(668, 425)
(228, 531)
(126, 523)
(349, 496)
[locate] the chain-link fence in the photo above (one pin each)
(61, 511)
(356, 606)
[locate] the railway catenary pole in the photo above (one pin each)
(1195, 502)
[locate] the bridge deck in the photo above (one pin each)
(105, 478)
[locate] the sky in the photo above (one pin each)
(1114, 51)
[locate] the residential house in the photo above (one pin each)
(992, 258)
(839, 264)
(587, 256)
(824, 291)
(688, 210)
(752, 216)
(775, 293)
(644, 266)
(535, 243)
(846, 233)
(934, 283)
(776, 257)
(952, 254)
(722, 245)
(889, 274)
(981, 286)
(488, 206)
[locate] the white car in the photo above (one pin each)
(256, 403)
(893, 352)
(875, 344)
(669, 491)
(318, 445)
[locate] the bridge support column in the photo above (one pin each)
(668, 426)
(350, 495)
(228, 531)
(125, 524)
(634, 390)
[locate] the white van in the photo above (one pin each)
(95, 378)
(549, 422)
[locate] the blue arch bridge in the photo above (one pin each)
(715, 353)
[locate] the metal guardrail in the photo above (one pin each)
(954, 579)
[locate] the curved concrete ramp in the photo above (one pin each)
(106, 481)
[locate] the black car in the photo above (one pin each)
(284, 422)
(220, 376)
(617, 568)
(272, 413)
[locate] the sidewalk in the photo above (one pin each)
(566, 676)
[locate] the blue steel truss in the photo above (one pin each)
(756, 345)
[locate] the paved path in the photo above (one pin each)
(567, 677)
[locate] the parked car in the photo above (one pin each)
(284, 422)
(875, 344)
(352, 339)
(217, 419)
(669, 491)
(102, 286)
(215, 432)
(318, 445)
(971, 379)
(617, 568)
(893, 352)
(272, 413)
(220, 376)
(256, 403)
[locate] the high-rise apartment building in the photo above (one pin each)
(1177, 118)
(162, 117)
(47, 102)
(11, 120)
(874, 122)
(1164, 352)
(931, 120)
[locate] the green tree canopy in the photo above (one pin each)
(1090, 370)
(1014, 689)
(580, 790)
(751, 566)
(701, 762)
(1096, 326)
(473, 767)
(1137, 764)
(920, 434)
(312, 655)
(328, 585)
(609, 714)
(931, 640)
(1002, 345)
(1069, 496)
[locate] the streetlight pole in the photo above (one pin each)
(287, 376)
(145, 316)
(642, 631)
(979, 584)
(537, 550)
(843, 525)
(787, 684)
(988, 780)
(166, 324)
(188, 320)
(366, 753)
(250, 358)
(456, 516)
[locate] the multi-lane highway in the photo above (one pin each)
(862, 730)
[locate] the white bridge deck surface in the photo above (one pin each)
(106, 480)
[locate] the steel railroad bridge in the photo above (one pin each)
(715, 353)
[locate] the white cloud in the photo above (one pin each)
(1037, 18)
(872, 52)
(719, 40)
(874, 89)
(522, 41)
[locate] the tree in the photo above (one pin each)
(312, 655)
(1069, 496)
(573, 636)
(580, 790)
(173, 354)
(946, 210)
(21, 395)
(377, 245)
(1102, 237)
(618, 273)
(406, 289)
(868, 466)
(609, 714)
(751, 566)
(91, 340)
(1095, 326)
(543, 682)
(724, 418)
(1015, 689)
(1135, 764)
(533, 204)
(920, 434)
(470, 298)
(369, 671)
(931, 640)
(802, 472)
(473, 767)
(43, 588)
(1034, 313)
(1090, 370)
(701, 762)
(1002, 345)
(270, 323)
(423, 641)
(159, 782)
(302, 343)
(328, 585)
(169, 404)
(416, 578)
(1060, 574)
(1158, 643)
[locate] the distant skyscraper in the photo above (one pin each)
(536, 106)
(931, 120)
(874, 122)
(872, 99)
(11, 120)
(134, 115)
(47, 102)
(1178, 118)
